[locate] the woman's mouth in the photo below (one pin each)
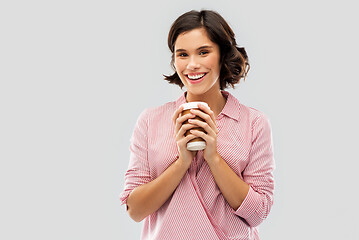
(195, 78)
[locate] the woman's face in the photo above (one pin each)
(197, 61)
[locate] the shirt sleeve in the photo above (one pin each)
(258, 174)
(138, 172)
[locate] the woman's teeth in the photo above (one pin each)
(195, 77)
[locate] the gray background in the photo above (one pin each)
(75, 75)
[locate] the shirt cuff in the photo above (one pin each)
(124, 196)
(249, 205)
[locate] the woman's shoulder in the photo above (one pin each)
(253, 114)
(259, 119)
(240, 111)
(159, 112)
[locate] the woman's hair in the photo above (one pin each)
(233, 59)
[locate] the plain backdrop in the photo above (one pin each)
(75, 75)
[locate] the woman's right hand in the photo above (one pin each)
(185, 155)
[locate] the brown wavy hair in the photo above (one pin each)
(233, 59)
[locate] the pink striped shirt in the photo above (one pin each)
(197, 208)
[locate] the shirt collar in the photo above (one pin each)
(231, 108)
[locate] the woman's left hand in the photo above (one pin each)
(210, 152)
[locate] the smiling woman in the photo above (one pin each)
(197, 62)
(233, 59)
(225, 190)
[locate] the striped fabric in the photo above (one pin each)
(197, 209)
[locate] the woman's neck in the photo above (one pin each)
(214, 99)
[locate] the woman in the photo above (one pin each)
(224, 191)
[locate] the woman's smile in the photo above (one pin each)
(195, 78)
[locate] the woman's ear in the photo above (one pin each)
(173, 66)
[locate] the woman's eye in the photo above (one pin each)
(203, 53)
(182, 55)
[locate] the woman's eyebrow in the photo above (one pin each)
(204, 47)
(183, 50)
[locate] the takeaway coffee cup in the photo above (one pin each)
(196, 143)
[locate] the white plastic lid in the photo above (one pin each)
(191, 105)
(196, 146)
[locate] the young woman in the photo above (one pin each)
(224, 191)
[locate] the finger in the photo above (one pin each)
(203, 125)
(200, 134)
(206, 118)
(184, 128)
(185, 117)
(207, 110)
(189, 137)
(179, 121)
(175, 116)
(177, 113)
(183, 142)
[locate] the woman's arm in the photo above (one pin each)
(149, 197)
(233, 188)
(252, 197)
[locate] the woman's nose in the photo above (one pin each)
(193, 63)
